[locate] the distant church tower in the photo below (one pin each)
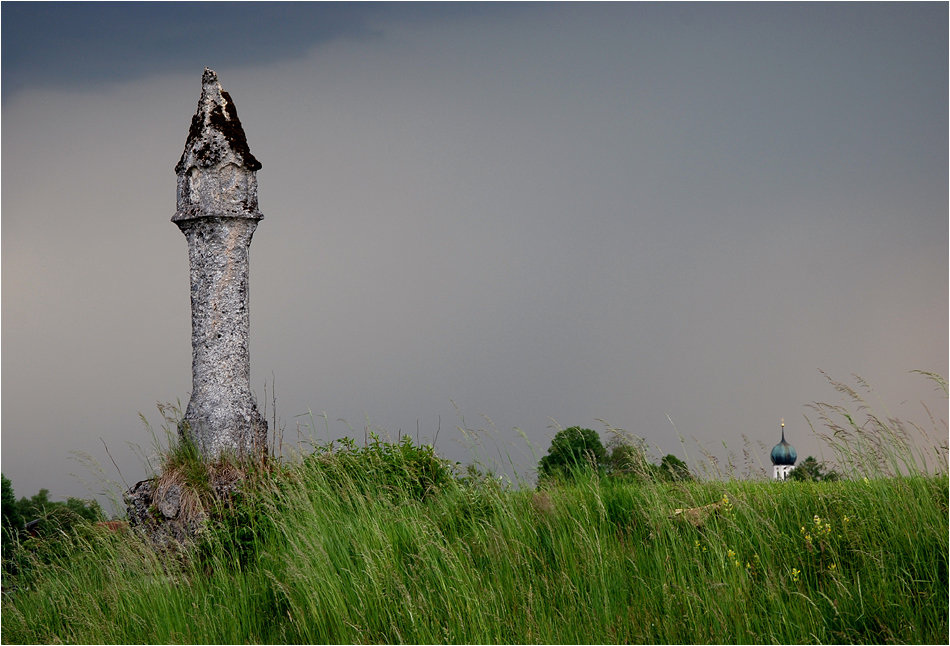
(783, 457)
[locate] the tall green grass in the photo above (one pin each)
(341, 547)
(596, 561)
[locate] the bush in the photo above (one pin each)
(628, 459)
(814, 471)
(403, 469)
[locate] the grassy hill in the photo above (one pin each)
(389, 543)
(326, 550)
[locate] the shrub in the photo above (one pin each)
(399, 469)
(813, 470)
(628, 459)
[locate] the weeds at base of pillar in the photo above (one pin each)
(174, 507)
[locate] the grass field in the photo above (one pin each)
(341, 548)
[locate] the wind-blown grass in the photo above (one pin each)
(321, 551)
(596, 561)
(880, 445)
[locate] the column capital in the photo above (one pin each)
(217, 174)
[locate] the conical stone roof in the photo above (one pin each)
(216, 172)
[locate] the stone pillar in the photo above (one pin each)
(218, 213)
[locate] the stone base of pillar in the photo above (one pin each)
(171, 515)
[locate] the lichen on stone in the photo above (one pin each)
(216, 111)
(216, 171)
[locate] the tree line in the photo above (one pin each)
(38, 516)
(576, 449)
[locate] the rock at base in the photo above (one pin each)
(158, 517)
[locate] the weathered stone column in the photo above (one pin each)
(217, 212)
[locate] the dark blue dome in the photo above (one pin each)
(784, 453)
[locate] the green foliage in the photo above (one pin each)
(369, 545)
(45, 516)
(12, 519)
(811, 470)
(672, 469)
(235, 533)
(36, 529)
(401, 469)
(31, 508)
(183, 458)
(57, 516)
(593, 560)
(572, 450)
(628, 459)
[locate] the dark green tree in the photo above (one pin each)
(11, 512)
(57, 515)
(45, 538)
(673, 469)
(572, 449)
(35, 506)
(627, 458)
(12, 520)
(811, 470)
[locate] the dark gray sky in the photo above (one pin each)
(540, 212)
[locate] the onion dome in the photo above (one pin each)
(783, 454)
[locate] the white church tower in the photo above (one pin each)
(783, 457)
